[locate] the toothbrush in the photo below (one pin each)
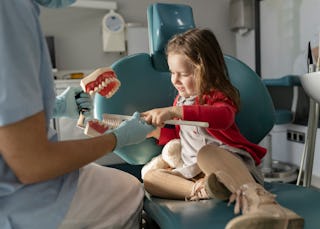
(115, 120)
(95, 127)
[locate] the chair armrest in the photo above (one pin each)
(285, 81)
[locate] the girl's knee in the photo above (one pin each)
(150, 176)
(211, 151)
(205, 151)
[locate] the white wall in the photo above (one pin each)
(280, 35)
(286, 29)
(78, 37)
(245, 48)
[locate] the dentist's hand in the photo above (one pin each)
(70, 102)
(132, 131)
(84, 103)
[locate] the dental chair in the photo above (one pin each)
(146, 84)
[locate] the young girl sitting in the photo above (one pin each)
(218, 162)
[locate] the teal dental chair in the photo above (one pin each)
(146, 84)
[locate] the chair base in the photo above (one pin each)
(280, 172)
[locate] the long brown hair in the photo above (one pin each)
(201, 47)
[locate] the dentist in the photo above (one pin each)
(46, 184)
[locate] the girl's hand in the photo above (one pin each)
(158, 116)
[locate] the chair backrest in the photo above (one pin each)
(257, 115)
(164, 21)
(146, 85)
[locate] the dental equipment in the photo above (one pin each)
(103, 80)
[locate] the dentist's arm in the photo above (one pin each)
(25, 148)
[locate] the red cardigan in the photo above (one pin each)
(219, 112)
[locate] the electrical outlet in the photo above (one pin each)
(295, 136)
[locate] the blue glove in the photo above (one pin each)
(70, 102)
(132, 131)
(84, 103)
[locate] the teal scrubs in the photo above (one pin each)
(26, 88)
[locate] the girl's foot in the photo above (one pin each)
(260, 210)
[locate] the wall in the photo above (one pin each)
(286, 28)
(245, 48)
(78, 32)
(280, 37)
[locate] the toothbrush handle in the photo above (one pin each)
(189, 123)
(170, 122)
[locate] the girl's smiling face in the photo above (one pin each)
(182, 74)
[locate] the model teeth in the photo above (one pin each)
(102, 81)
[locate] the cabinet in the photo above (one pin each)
(67, 128)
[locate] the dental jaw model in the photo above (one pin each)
(103, 81)
(95, 127)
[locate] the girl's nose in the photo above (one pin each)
(174, 78)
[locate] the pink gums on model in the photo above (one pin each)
(95, 128)
(103, 81)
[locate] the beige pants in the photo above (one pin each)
(105, 198)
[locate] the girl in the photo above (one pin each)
(218, 162)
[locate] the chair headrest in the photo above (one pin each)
(164, 21)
